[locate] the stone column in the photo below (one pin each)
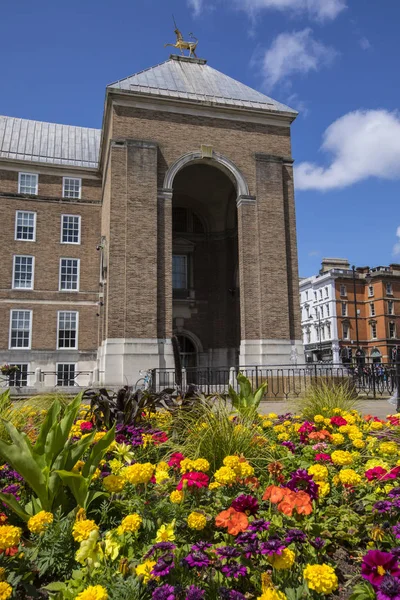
(164, 277)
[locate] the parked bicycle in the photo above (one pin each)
(145, 382)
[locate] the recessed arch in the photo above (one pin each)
(218, 160)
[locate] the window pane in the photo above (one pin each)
(70, 229)
(20, 378)
(66, 374)
(23, 272)
(72, 188)
(69, 274)
(28, 183)
(20, 328)
(25, 225)
(67, 329)
(179, 272)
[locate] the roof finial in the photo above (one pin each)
(181, 44)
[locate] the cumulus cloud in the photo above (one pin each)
(319, 10)
(296, 52)
(396, 247)
(363, 144)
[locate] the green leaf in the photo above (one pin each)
(258, 396)
(55, 586)
(93, 495)
(58, 437)
(12, 503)
(245, 386)
(97, 453)
(50, 420)
(77, 484)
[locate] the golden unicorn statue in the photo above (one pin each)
(182, 45)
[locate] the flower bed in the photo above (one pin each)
(311, 512)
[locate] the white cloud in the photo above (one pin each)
(314, 253)
(365, 43)
(396, 247)
(300, 105)
(296, 52)
(319, 10)
(196, 5)
(364, 143)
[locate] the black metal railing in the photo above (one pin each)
(284, 381)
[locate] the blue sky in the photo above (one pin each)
(334, 60)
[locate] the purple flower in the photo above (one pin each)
(302, 481)
(295, 535)
(234, 569)
(389, 589)
(245, 538)
(227, 594)
(227, 552)
(290, 446)
(318, 543)
(245, 504)
(376, 564)
(163, 566)
(165, 592)
(201, 546)
(251, 549)
(234, 595)
(394, 492)
(396, 503)
(272, 546)
(163, 546)
(196, 559)
(12, 489)
(194, 593)
(259, 525)
(396, 531)
(382, 506)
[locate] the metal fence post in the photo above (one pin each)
(373, 382)
(398, 377)
(256, 377)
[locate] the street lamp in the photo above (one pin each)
(318, 316)
(358, 352)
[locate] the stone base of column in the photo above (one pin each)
(271, 352)
(120, 360)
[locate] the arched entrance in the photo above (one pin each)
(376, 356)
(188, 351)
(205, 261)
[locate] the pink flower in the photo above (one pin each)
(338, 421)
(193, 479)
(307, 427)
(375, 473)
(86, 426)
(377, 564)
(320, 446)
(175, 460)
(393, 474)
(323, 456)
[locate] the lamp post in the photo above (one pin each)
(358, 352)
(318, 316)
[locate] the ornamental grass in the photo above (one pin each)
(205, 504)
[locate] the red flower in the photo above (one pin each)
(323, 456)
(375, 473)
(86, 426)
(175, 460)
(393, 474)
(193, 480)
(160, 438)
(338, 421)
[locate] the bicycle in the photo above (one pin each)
(145, 382)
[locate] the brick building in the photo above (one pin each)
(177, 216)
(351, 316)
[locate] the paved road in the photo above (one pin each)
(379, 408)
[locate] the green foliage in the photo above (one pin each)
(363, 591)
(246, 402)
(52, 552)
(324, 397)
(209, 430)
(39, 464)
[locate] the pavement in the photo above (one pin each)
(379, 407)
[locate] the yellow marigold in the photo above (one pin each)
(341, 457)
(98, 436)
(9, 536)
(166, 533)
(225, 475)
(93, 592)
(327, 422)
(319, 472)
(187, 465)
(201, 464)
(296, 426)
(96, 474)
(358, 443)
(349, 477)
(344, 428)
(138, 473)
(272, 594)
(176, 497)
(130, 524)
(5, 590)
(214, 485)
(39, 522)
(279, 428)
(267, 423)
(355, 454)
(161, 476)
(272, 415)
(162, 466)
(116, 466)
(321, 578)
(349, 418)
(246, 470)
(337, 439)
(355, 435)
(114, 483)
(147, 439)
(376, 425)
(282, 561)
(323, 488)
(78, 466)
(319, 419)
(82, 529)
(233, 462)
(196, 520)
(389, 448)
(144, 570)
(283, 437)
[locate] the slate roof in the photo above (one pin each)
(191, 79)
(22, 139)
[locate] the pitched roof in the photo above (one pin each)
(192, 79)
(36, 141)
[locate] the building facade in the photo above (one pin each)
(176, 217)
(351, 315)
